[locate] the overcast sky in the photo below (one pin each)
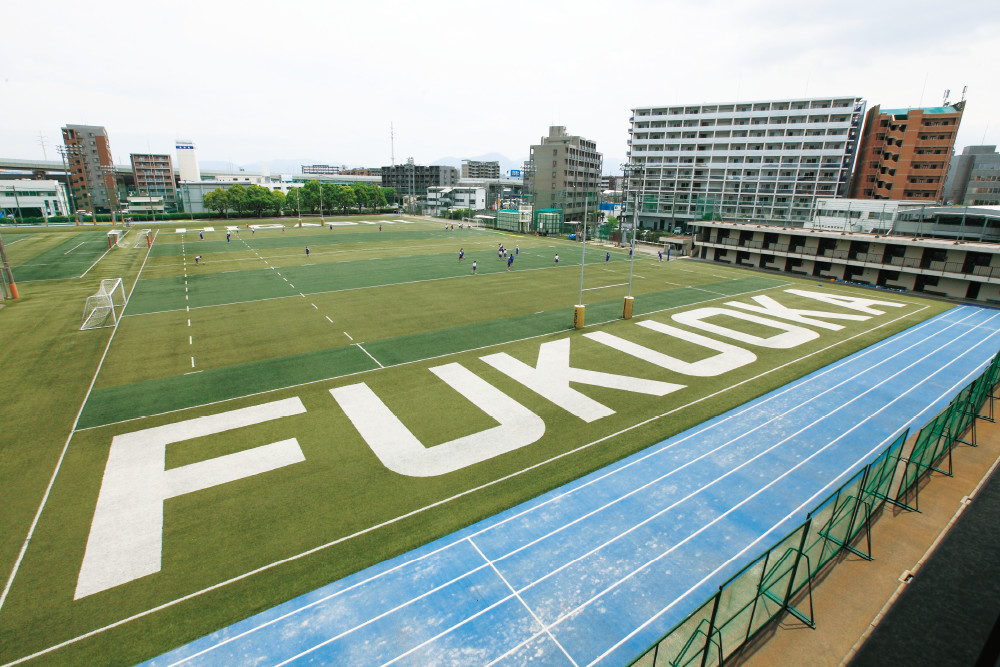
(259, 81)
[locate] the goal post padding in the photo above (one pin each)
(104, 308)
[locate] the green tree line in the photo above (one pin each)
(312, 198)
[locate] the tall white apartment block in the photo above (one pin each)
(758, 161)
(187, 160)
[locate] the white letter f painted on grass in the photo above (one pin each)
(126, 535)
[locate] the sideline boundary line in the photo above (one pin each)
(69, 438)
(430, 506)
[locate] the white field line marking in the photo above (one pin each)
(462, 494)
(447, 354)
(192, 372)
(791, 514)
(315, 306)
(346, 632)
(62, 454)
(23, 238)
(190, 340)
(65, 253)
(468, 619)
(189, 322)
(192, 362)
(604, 287)
(430, 280)
(366, 352)
(102, 257)
(328, 319)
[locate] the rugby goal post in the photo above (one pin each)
(105, 307)
(142, 239)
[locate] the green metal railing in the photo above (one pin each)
(781, 579)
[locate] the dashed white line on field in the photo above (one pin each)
(315, 306)
(192, 362)
(348, 335)
(366, 352)
(190, 340)
(328, 319)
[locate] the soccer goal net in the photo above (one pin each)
(104, 308)
(141, 239)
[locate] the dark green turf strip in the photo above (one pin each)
(214, 289)
(54, 263)
(138, 399)
(118, 403)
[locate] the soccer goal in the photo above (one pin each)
(142, 239)
(104, 308)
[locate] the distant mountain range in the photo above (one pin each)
(294, 166)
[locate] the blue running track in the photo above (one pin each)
(596, 571)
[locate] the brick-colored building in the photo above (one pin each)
(91, 177)
(904, 153)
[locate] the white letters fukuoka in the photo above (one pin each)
(127, 530)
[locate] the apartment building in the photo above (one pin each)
(765, 161)
(477, 169)
(904, 153)
(154, 177)
(322, 169)
(87, 153)
(564, 172)
(974, 177)
(413, 179)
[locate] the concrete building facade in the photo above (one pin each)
(564, 172)
(904, 260)
(477, 169)
(904, 153)
(91, 170)
(974, 177)
(323, 169)
(154, 177)
(443, 198)
(187, 160)
(413, 179)
(29, 198)
(767, 160)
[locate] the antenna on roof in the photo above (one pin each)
(964, 90)
(947, 92)
(392, 145)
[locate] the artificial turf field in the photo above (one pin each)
(257, 322)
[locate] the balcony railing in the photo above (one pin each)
(878, 259)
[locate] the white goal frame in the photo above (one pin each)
(141, 238)
(104, 308)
